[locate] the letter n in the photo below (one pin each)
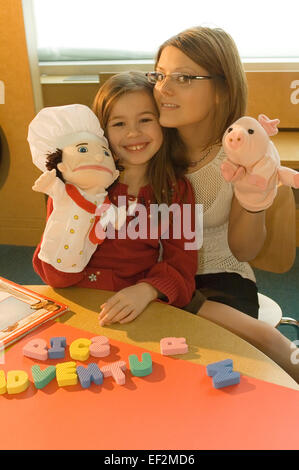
(90, 374)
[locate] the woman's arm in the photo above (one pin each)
(246, 232)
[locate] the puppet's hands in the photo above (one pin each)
(257, 190)
(121, 213)
(232, 172)
(45, 181)
(127, 304)
(121, 216)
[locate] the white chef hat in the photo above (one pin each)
(60, 126)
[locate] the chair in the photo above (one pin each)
(270, 312)
(279, 251)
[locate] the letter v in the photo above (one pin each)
(43, 377)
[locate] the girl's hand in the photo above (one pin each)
(127, 304)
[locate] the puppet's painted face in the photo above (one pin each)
(89, 165)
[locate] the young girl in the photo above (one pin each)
(200, 89)
(133, 266)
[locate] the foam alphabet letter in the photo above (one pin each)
(41, 378)
(215, 367)
(223, 374)
(36, 349)
(57, 350)
(171, 346)
(143, 368)
(17, 381)
(3, 388)
(100, 346)
(79, 349)
(90, 374)
(115, 369)
(66, 374)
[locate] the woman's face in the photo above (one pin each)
(133, 128)
(183, 105)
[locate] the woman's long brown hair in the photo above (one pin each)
(214, 50)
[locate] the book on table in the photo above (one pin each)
(22, 310)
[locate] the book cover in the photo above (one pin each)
(22, 310)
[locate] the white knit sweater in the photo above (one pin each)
(211, 190)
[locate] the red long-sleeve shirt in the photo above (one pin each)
(119, 263)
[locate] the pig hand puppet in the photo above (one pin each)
(68, 145)
(252, 162)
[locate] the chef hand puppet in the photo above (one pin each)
(252, 162)
(68, 144)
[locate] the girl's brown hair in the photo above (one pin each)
(162, 173)
(214, 50)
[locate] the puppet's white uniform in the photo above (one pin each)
(66, 242)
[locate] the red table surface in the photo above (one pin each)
(176, 407)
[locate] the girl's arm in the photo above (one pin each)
(171, 280)
(174, 275)
(246, 232)
(55, 278)
(52, 276)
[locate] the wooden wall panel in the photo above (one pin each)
(21, 210)
(62, 94)
(275, 94)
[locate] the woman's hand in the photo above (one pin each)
(127, 304)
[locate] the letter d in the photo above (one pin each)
(17, 381)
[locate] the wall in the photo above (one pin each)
(275, 94)
(21, 210)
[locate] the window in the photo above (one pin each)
(76, 30)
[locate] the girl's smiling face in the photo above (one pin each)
(133, 128)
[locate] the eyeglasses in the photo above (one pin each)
(177, 77)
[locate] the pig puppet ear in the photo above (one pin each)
(269, 125)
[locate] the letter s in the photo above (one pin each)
(295, 94)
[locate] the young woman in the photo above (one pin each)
(132, 265)
(200, 89)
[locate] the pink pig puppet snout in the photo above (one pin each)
(235, 138)
(245, 141)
